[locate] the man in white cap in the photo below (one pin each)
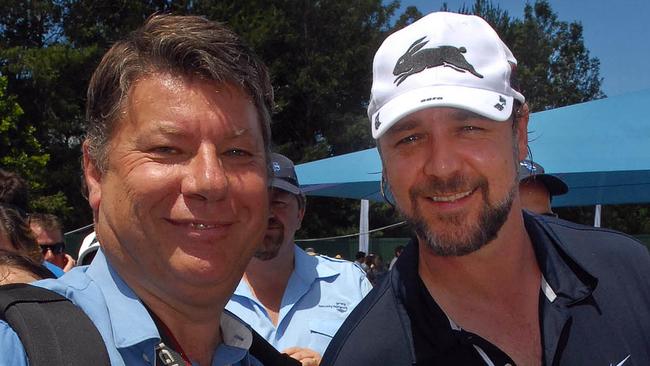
(537, 189)
(294, 299)
(483, 282)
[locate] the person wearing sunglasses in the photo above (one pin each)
(49, 235)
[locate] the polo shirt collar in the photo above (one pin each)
(563, 272)
(568, 281)
(130, 322)
(309, 268)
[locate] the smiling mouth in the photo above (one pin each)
(451, 198)
(200, 226)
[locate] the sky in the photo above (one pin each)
(615, 32)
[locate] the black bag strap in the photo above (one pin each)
(52, 329)
(268, 355)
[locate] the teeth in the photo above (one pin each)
(451, 198)
(199, 226)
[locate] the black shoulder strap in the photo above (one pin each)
(52, 329)
(269, 356)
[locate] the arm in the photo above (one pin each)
(12, 352)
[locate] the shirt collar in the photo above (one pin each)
(568, 278)
(128, 318)
(309, 268)
(131, 323)
(569, 282)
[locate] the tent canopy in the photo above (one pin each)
(601, 149)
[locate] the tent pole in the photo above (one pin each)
(363, 226)
(597, 216)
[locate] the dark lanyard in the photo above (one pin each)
(168, 352)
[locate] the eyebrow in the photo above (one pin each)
(464, 115)
(401, 126)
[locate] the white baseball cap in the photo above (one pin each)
(442, 60)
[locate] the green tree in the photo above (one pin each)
(19, 150)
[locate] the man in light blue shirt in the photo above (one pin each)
(176, 165)
(124, 323)
(294, 300)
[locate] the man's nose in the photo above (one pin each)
(206, 177)
(442, 160)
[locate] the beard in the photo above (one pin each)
(272, 242)
(458, 235)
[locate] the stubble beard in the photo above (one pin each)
(270, 246)
(459, 237)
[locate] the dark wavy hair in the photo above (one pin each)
(21, 261)
(20, 235)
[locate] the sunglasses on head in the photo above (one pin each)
(56, 248)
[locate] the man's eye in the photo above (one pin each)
(278, 203)
(408, 140)
(471, 128)
(165, 150)
(237, 152)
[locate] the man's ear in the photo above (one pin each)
(522, 131)
(93, 178)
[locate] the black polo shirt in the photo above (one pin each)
(437, 340)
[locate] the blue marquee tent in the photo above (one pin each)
(601, 149)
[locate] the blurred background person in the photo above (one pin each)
(15, 234)
(48, 231)
(398, 251)
(536, 188)
(360, 259)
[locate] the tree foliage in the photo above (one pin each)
(319, 54)
(20, 151)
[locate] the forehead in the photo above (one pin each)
(278, 193)
(167, 99)
(43, 233)
(437, 114)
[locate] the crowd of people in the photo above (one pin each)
(193, 259)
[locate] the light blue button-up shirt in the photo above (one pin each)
(125, 325)
(320, 294)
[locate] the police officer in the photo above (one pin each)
(295, 300)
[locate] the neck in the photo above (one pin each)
(197, 330)
(499, 268)
(274, 270)
(268, 279)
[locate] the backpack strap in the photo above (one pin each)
(268, 355)
(52, 329)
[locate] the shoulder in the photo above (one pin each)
(597, 248)
(12, 352)
(379, 312)
(343, 267)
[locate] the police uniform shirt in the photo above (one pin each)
(320, 294)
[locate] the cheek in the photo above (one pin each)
(400, 178)
(252, 193)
